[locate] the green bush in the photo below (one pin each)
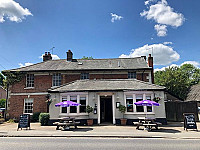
(2, 103)
(35, 116)
(44, 118)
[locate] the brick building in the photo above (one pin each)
(96, 82)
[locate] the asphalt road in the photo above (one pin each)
(13, 143)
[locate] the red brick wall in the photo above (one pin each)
(16, 105)
(41, 84)
(108, 76)
(139, 77)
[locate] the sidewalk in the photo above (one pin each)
(172, 130)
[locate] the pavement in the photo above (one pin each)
(174, 130)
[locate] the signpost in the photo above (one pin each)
(189, 121)
(24, 121)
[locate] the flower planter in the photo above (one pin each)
(123, 122)
(90, 122)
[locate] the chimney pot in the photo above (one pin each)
(69, 55)
(47, 56)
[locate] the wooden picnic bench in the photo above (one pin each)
(147, 123)
(65, 123)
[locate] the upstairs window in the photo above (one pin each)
(131, 75)
(30, 80)
(56, 79)
(84, 76)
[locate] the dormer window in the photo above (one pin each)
(131, 75)
(56, 79)
(84, 76)
(30, 80)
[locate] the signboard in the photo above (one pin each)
(189, 121)
(24, 121)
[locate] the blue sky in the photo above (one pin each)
(170, 28)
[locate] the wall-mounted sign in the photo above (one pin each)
(117, 104)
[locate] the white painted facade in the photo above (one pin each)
(93, 98)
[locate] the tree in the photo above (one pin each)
(1, 79)
(177, 80)
(84, 57)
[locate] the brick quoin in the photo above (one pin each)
(16, 105)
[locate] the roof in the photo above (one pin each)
(87, 64)
(194, 93)
(106, 85)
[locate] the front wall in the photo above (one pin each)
(159, 111)
(16, 105)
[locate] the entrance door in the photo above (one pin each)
(106, 113)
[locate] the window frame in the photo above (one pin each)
(78, 95)
(24, 111)
(144, 94)
(56, 78)
(30, 80)
(132, 75)
(85, 76)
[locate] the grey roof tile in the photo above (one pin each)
(107, 85)
(91, 64)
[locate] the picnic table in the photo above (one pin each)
(66, 122)
(148, 123)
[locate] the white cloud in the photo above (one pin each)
(26, 64)
(162, 14)
(115, 17)
(161, 30)
(196, 64)
(167, 43)
(13, 11)
(54, 57)
(162, 54)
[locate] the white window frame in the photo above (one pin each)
(134, 100)
(131, 75)
(29, 99)
(78, 101)
(30, 80)
(85, 76)
(56, 79)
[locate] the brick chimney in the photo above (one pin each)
(47, 56)
(145, 58)
(69, 55)
(150, 63)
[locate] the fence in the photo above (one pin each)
(175, 110)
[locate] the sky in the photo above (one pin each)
(167, 29)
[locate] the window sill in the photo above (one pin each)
(28, 113)
(29, 88)
(73, 114)
(139, 113)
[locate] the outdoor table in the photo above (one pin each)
(66, 122)
(147, 123)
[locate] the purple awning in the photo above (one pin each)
(67, 104)
(146, 103)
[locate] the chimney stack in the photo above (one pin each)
(69, 55)
(145, 58)
(47, 56)
(150, 63)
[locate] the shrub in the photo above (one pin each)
(44, 118)
(122, 109)
(35, 116)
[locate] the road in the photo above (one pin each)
(10, 143)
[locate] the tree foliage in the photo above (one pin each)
(1, 79)
(12, 77)
(177, 80)
(2, 103)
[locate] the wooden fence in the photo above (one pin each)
(175, 110)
